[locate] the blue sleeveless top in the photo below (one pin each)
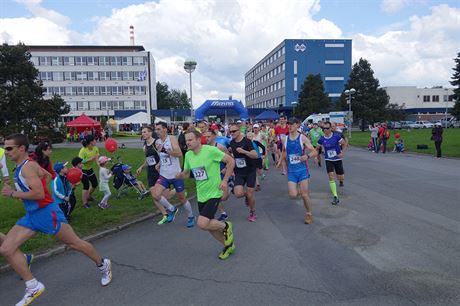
(294, 151)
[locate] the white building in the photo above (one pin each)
(419, 101)
(114, 81)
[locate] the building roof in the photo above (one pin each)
(85, 48)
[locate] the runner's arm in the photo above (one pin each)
(229, 166)
(6, 175)
(309, 146)
(31, 174)
(176, 151)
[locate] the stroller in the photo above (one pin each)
(123, 181)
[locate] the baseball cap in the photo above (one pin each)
(76, 161)
(239, 121)
(125, 167)
(104, 159)
(438, 124)
(59, 166)
(256, 125)
(293, 120)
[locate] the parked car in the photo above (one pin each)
(394, 125)
(424, 124)
(405, 124)
(414, 125)
(450, 123)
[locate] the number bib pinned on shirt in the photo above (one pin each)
(294, 159)
(240, 162)
(199, 173)
(151, 160)
(331, 153)
(165, 159)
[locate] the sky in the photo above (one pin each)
(407, 42)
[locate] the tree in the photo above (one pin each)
(312, 98)
(21, 94)
(456, 82)
(394, 112)
(174, 98)
(369, 103)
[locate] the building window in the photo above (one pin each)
(35, 60)
(128, 90)
(68, 60)
(117, 104)
(48, 91)
(59, 91)
(80, 60)
(95, 105)
(92, 76)
(446, 97)
(105, 90)
(105, 105)
(295, 84)
(82, 91)
(72, 105)
(451, 98)
(334, 45)
(81, 76)
(56, 60)
(58, 76)
(46, 76)
(128, 75)
(426, 98)
(138, 60)
(283, 83)
(91, 60)
(82, 105)
(435, 98)
(127, 60)
(282, 67)
(283, 50)
(116, 75)
(104, 60)
(295, 67)
(45, 60)
(70, 91)
(69, 76)
(117, 90)
(104, 76)
(93, 90)
(334, 62)
(129, 105)
(115, 60)
(139, 104)
(139, 90)
(334, 78)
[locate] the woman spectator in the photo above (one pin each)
(90, 155)
(436, 136)
(42, 155)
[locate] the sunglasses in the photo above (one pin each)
(9, 149)
(326, 129)
(233, 131)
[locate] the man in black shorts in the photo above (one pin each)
(245, 170)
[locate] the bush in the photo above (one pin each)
(46, 135)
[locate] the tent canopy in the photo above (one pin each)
(83, 122)
(268, 115)
(137, 118)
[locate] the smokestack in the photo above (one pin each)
(131, 35)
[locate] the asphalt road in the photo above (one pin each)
(394, 240)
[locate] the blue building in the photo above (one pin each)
(278, 77)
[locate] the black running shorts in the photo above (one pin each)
(152, 176)
(89, 177)
(208, 209)
(335, 166)
(249, 180)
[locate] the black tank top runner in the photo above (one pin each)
(150, 151)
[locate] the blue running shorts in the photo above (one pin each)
(45, 220)
(298, 176)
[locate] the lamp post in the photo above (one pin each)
(294, 104)
(171, 109)
(349, 93)
(189, 67)
(447, 101)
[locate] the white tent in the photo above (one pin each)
(139, 118)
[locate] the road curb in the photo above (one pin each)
(63, 248)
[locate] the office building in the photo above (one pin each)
(114, 81)
(278, 77)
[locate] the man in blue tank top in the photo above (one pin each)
(294, 154)
(42, 215)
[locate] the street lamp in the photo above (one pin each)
(446, 97)
(294, 104)
(171, 109)
(189, 67)
(349, 93)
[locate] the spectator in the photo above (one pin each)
(399, 144)
(436, 136)
(42, 155)
(62, 190)
(384, 135)
(374, 136)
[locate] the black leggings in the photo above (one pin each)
(437, 144)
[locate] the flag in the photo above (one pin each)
(142, 75)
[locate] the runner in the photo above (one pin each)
(298, 175)
(343, 146)
(170, 154)
(42, 215)
(90, 155)
(245, 171)
(152, 158)
(265, 141)
(258, 163)
(281, 130)
(315, 133)
(204, 162)
(333, 154)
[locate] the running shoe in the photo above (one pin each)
(163, 220)
(341, 183)
(252, 216)
(283, 173)
(190, 221)
(223, 216)
(32, 294)
(29, 259)
(227, 251)
(104, 205)
(172, 214)
(308, 218)
(263, 177)
(228, 234)
(335, 201)
(106, 271)
(86, 205)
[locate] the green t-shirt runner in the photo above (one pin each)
(315, 135)
(205, 167)
(86, 154)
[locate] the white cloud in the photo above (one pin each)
(34, 7)
(392, 6)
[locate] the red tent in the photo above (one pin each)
(83, 122)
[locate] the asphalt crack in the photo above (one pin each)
(136, 268)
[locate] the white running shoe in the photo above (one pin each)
(31, 294)
(106, 270)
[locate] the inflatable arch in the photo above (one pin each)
(222, 104)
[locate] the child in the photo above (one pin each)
(399, 144)
(62, 190)
(133, 180)
(104, 176)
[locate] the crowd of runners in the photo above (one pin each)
(233, 160)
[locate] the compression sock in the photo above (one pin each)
(166, 204)
(333, 187)
(188, 208)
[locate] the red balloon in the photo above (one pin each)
(111, 145)
(74, 175)
(397, 135)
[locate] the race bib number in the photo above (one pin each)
(240, 162)
(200, 174)
(165, 159)
(294, 159)
(151, 160)
(331, 153)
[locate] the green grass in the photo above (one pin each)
(450, 145)
(87, 221)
